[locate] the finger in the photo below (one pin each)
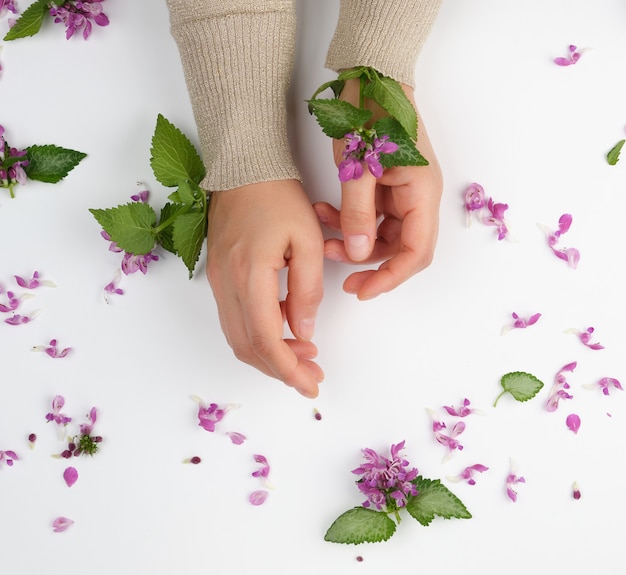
(358, 216)
(304, 286)
(328, 215)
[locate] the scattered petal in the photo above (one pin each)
(570, 255)
(70, 475)
(511, 480)
(604, 384)
(575, 491)
(236, 437)
(61, 524)
(8, 457)
(468, 473)
(572, 57)
(258, 497)
(573, 422)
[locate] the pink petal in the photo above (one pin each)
(235, 437)
(61, 524)
(258, 497)
(560, 61)
(573, 422)
(70, 475)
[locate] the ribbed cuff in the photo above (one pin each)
(384, 34)
(237, 62)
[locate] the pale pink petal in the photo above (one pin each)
(258, 497)
(236, 437)
(70, 475)
(573, 422)
(61, 524)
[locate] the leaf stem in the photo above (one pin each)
(499, 396)
(170, 220)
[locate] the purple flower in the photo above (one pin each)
(132, 263)
(77, 15)
(111, 288)
(387, 483)
(468, 473)
(605, 384)
(70, 475)
(258, 497)
(61, 524)
(55, 415)
(511, 480)
(585, 337)
(572, 57)
(209, 415)
(236, 437)
(520, 322)
(573, 422)
(11, 170)
(141, 196)
(12, 302)
(364, 147)
(263, 471)
(559, 386)
(52, 350)
(8, 457)
(462, 411)
(496, 218)
(7, 6)
(34, 282)
(450, 440)
(87, 428)
(18, 319)
(570, 255)
(474, 198)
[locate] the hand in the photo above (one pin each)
(255, 231)
(407, 199)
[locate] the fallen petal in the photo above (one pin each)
(61, 524)
(70, 475)
(235, 437)
(573, 422)
(258, 497)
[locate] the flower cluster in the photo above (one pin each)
(487, 210)
(387, 483)
(78, 15)
(11, 166)
(85, 443)
(364, 147)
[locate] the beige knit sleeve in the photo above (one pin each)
(237, 57)
(384, 34)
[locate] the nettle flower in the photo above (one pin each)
(570, 255)
(61, 524)
(211, 414)
(11, 168)
(364, 147)
(85, 443)
(55, 415)
(511, 480)
(8, 457)
(13, 301)
(52, 350)
(585, 337)
(19, 319)
(520, 322)
(78, 15)
(7, 6)
(468, 473)
(463, 411)
(560, 386)
(495, 217)
(449, 440)
(386, 483)
(605, 384)
(488, 212)
(33, 282)
(572, 57)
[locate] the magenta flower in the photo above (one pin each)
(364, 147)
(34, 282)
(559, 386)
(511, 480)
(209, 415)
(264, 470)
(573, 422)
(572, 57)
(450, 440)
(258, 497)
(18, 319)
(77, 15)
(141, 196)
(576, 491)
(11, 168)
(520, 322)
(87, 428)
(52, 350)
(570, 255)
(70, 475)
(111, 288)
(7, 6)
(61, 524)
(236, 437)
(462, 411)
(8, 457)
(13, 301)
(585, 337)
(386, 482)
(55, 415)
(605, 384)
(474, 199)
(496, 218)
(132, 263)
(468, 473)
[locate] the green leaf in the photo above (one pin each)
(29, 23)
(356, 72)
(522, 386)
(164, 236)
(51, 163)
(389, 95)
(361, 525)
(131, 226)
(335, 85)
(613, 156)
(174, 158)
(434, 499)
(338, 118)
(188, 235)
(407, 154)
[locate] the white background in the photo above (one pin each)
(500, 113)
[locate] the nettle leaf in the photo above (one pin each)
(407, 154)
(168, 212)
(435, 500)
(29, 23)
(335, 85)
(51, 163)
(356, 72)
(522, 386)
(174, 158)
(189, 231)
(361, 525)
(613, 156)
(338, 118)
(389, 95)
(131, 226)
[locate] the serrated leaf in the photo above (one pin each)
(407, 154)
(521, 385)
(51, 163)
(435, 500)
(389, 95)
(613, 156)
(189, 231)
(29, 23)
(174, 158)
(131, 226)
(356, 72)
(360, 525)
(338, 118)
(164, 237)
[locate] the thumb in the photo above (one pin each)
(358, 216)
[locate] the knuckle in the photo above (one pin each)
(355, 218)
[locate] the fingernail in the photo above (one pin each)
(358, 247)
(332, 255)
(321, 216)
(306, 328)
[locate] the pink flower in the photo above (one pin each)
(462, 411)
(520, 322)
(364, 148)
(8, 457)
(511, 480)
(264, 470)
(12, 301)
(450, 440)
(55, 415)
(474, 198)
(112, 287)
(496, 218)
(468, 473)
(87, 428)
(70, 475)
(605, 383)
(209, 415)
(52, 350)
(573, 422)
(573, 57)
(78, 16)
(61, 524)
(559, 386)
(7, 6)
(18, 319)
(235, 437)
(570, 255)
(258, 497)
(585, 337)
(34, 282)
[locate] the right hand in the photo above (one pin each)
(255, 231)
